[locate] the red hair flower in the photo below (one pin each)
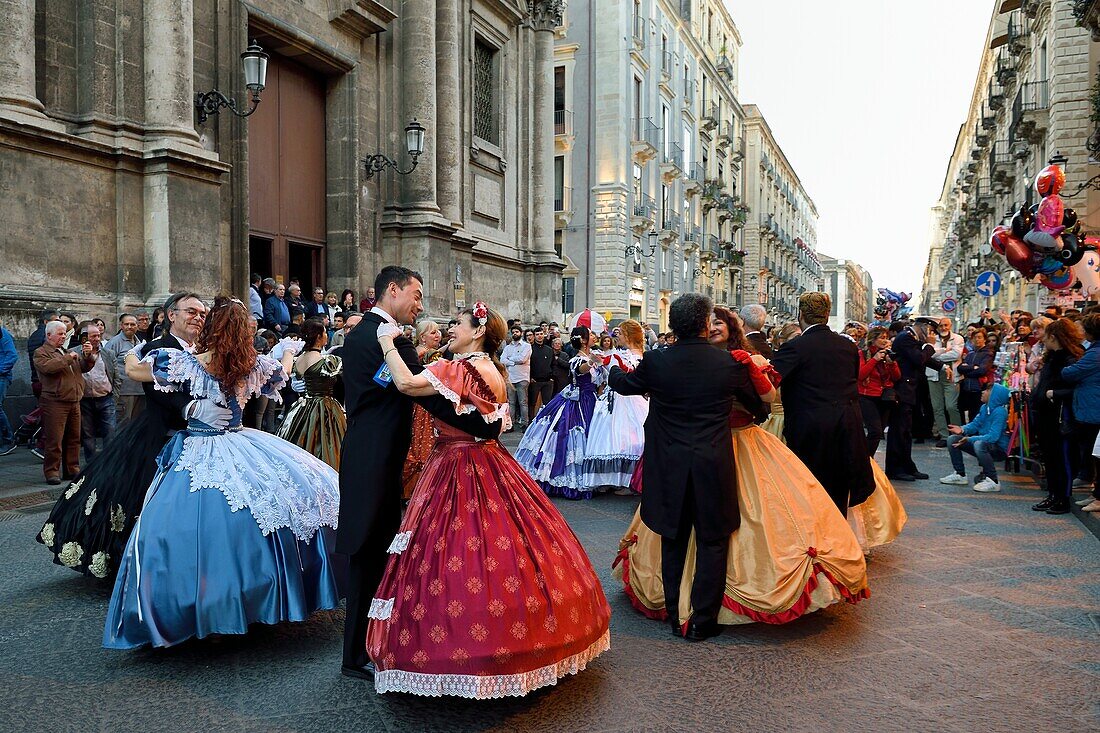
(481, 312)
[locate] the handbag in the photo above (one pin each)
(889, 394)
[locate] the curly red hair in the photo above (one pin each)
(227, 335)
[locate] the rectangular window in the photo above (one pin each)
(559, 183)
(486, 125)
(637, 108)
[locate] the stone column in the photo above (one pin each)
(545, 16)
(417, 83)
(17, 57)
(448, 138)
(170, 70)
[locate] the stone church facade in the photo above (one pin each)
(112, 195)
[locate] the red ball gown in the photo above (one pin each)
(487, 593)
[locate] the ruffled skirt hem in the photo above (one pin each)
(488, 687)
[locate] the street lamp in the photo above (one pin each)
(254, 61)
(414, 144)
(974, 261)
(634, 249)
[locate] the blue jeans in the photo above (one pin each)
(97, 420)
(986, 453)
(6, 434)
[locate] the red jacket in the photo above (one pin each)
(875, 376)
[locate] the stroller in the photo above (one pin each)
(29, 432)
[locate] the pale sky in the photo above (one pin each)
(865, 97)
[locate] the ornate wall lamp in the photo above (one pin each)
(636, 249)
(254, 61)
(414, 143)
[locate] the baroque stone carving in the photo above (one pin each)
(546, 15)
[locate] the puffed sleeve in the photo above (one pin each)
(460, 383)
(169, 370)
(267, 378)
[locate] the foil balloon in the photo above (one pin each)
(1049, 265)
(1088, 272)
(999, 238)
(1018, 255)
(1071, 252)
(1050, 181)
(1022, 221)
(1044, 242)
(1059, 279)
(1069, 218)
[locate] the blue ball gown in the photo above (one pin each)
(237, 526)
(553, 447)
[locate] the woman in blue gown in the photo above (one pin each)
(554, 445)
(237, 524)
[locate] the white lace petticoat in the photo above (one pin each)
(488, 687)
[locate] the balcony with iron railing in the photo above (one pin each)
(563, 207)
(1005, 70)
(1002, 163)
(689, 96)
(667, 63)
(1030, 112)
(563, 122)
(670, 224)
(1019, 32)
(693, 240)
(639, 31)
(646, 140)
(712, 113)
(672, 162)
(995, 92)
(644, 212)
(725, 66)
(693, 179)
(725, 135)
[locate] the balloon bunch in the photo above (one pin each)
(1045, 238)
(891, 306)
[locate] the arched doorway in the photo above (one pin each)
(287, 177)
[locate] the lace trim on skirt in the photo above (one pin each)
(487, 687)
(380, 609)
(400, 543)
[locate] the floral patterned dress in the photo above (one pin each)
(487, 593)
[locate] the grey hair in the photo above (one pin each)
(754, 315)
(689, 315)
(53, 326)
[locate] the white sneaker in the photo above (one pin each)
(956, 479)
(1093, 507)
(987, 486)
(1086, 501)
(1079, 483)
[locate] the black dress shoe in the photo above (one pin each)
(920, 476)
(941, 443)
(1042, 506)
(702, 631)
(366, 672)
(1059, 507)
(674, 625)
(53, 480)
(902, 477)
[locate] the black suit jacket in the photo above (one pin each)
(912, 357)
(759, 342)
(315, 310)
(692, 387)
(823, 424)
(380, 431)
(163, 410)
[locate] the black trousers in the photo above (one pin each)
(899, 441)
(709, 583)
(1059, 456)
(365, 569)
(876, 416)
(1090, 465)
(535, 390)
(970, 403)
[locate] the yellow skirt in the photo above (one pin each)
(793, 554)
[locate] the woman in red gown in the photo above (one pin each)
(487, 593)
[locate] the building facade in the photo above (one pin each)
(851, 290)
(649, 151)
(1030, 101)
(116, 195)
(781, 245)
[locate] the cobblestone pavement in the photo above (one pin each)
(983, 616)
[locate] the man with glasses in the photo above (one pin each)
(941, 383)
(97, 406)
(129, 395)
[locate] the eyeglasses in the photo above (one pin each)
(191, 312)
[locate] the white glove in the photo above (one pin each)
(209, 413)
(389, 329)
(292, 345)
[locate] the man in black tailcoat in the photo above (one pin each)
(186, 315)
(913, 355)
(374, 450)
(687, 466)
(823, 424)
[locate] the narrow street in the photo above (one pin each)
(983, 616)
